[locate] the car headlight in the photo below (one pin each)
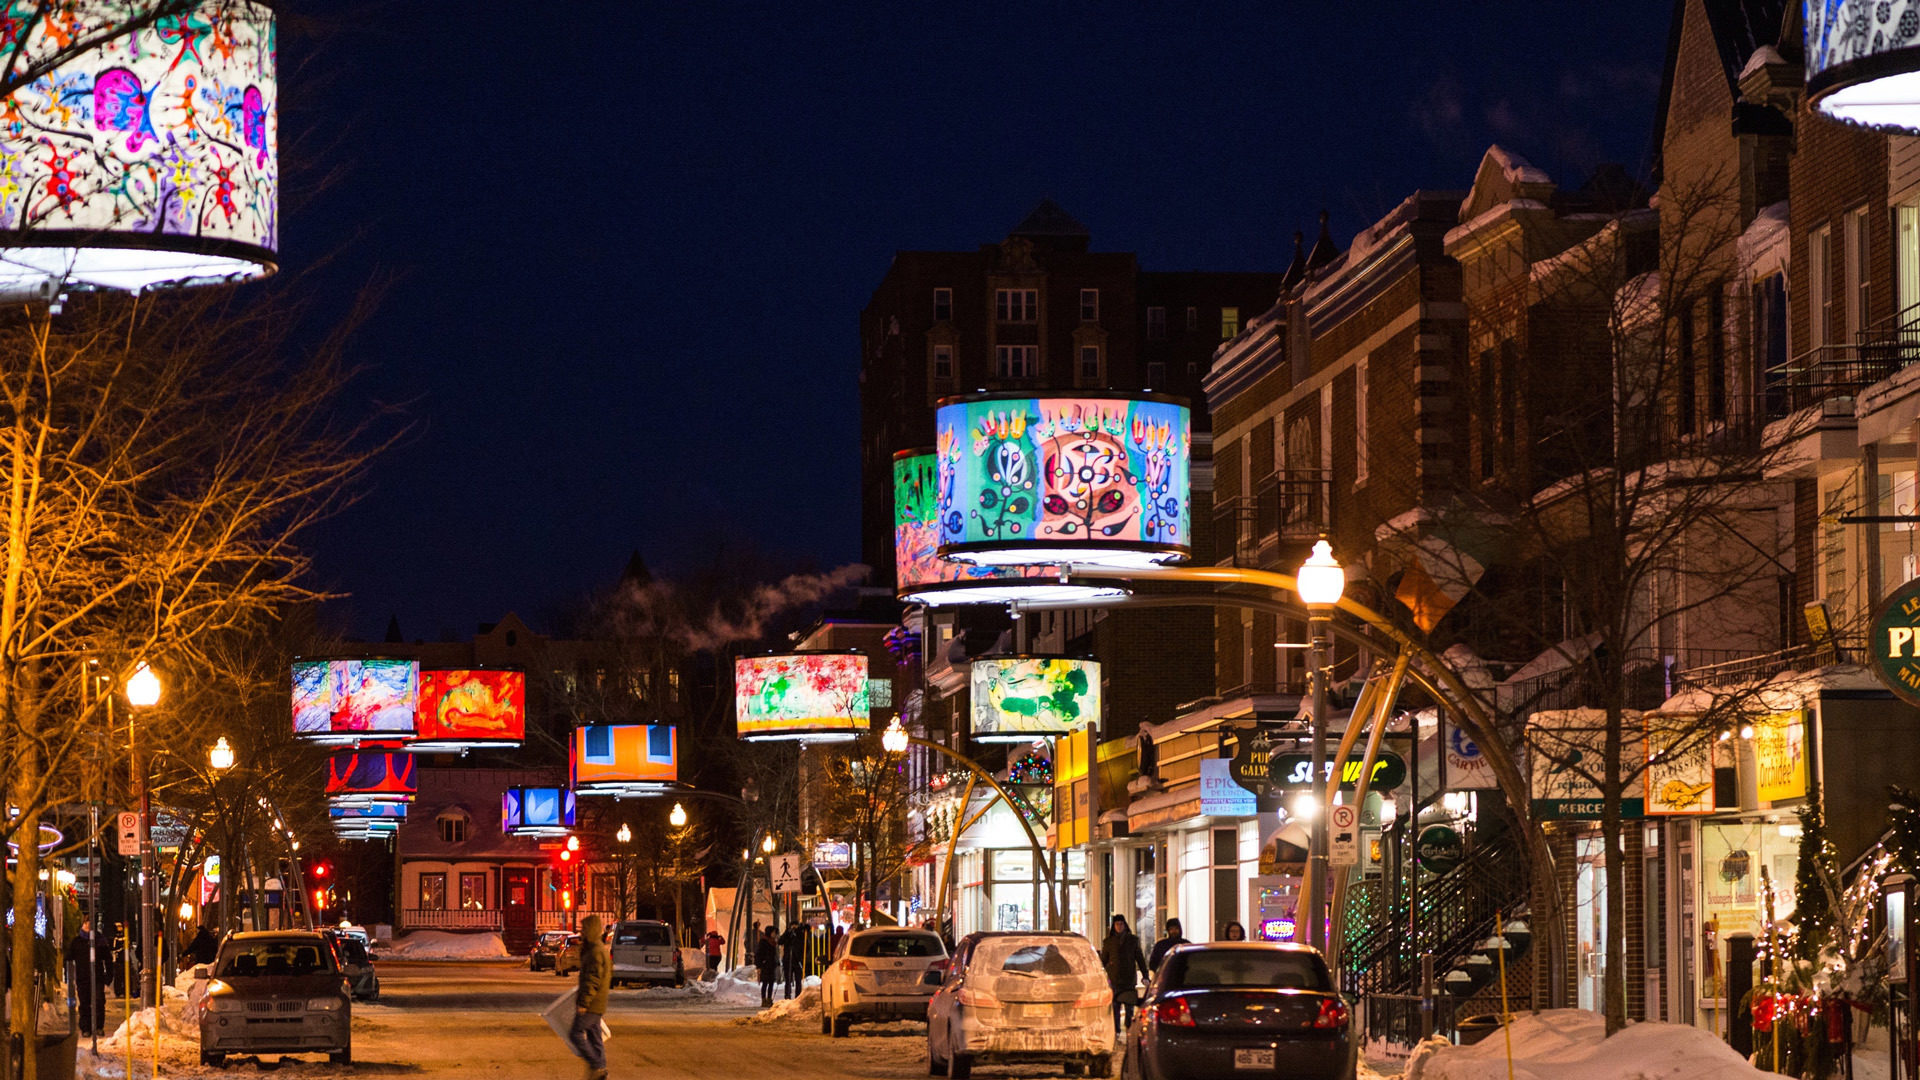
(325, 1004)
(225, 1004)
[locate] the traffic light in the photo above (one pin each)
(320, 899)
(321, 869)
(566, 855)
(573, 843)
(566, 899)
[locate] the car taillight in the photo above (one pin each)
(1333, 1015)
(979, 999)
(1173, 1011)
(853, 965)
(1094, 999)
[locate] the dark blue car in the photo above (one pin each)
(1242, 1009)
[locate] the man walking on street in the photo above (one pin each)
(590, 1003)
(92, 962)
(715, 943)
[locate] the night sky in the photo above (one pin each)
(631, 241)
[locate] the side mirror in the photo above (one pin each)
(202, 971)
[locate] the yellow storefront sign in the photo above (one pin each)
(1780, 755)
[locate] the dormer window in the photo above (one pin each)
(453, 827)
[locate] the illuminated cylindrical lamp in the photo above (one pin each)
(1094, 479)
(1023, 698)
(467, 709)
(354, 701)
(625, 759)
(1863, 62)
(149, 160)
(537, 811)
(818, 696)
(923, 577)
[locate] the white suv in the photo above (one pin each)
(879, 975)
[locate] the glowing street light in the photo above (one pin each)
(1319, 583)
(143, 686)
(767, 845)
(677, 818)
(625, 835)
(221, 756)
(1321, 580)
(894, 740)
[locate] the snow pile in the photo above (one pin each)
(796, 1008)
(443, 945)
(179, 1028)
(1571, 1044)
(741, 986)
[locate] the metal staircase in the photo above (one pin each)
(1392, 926)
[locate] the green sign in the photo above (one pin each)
(1296, 770)
(1894, 642)
(1439, 850)
(1586, 809)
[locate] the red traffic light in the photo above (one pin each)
(319, 899)
(320, 870)
(566, 899)
(566, 855)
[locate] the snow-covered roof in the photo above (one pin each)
(1783, 692)
(1762, 56)
(1766, 242)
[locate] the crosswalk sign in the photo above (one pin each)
(786, 873)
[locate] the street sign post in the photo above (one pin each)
(127, 826)
(1343, 835)
(786, 873)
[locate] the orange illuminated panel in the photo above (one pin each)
(624, 757)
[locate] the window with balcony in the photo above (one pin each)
(1156, 324)
(1686, 373)
(1016, 361)
(1856, 273)
(433, 892)
(943, 305)
(1906, 261)
(1819, 286)
(1090, 305)
(1716, 357)
(1016, 305)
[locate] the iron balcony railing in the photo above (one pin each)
(1844, 369)
(1294, 505)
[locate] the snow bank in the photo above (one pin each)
(443, 945)
(1571, 1044)
(804, 1007)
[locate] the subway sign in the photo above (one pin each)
(1894, 642)
(1295, 770)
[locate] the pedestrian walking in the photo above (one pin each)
(590, 1002)
(766, 956)
(1165, 945)
(1120, 955)
(92, 962)
(793, 948)
(715, 946)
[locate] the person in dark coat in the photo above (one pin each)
(1165, 945)
(793, 947)
(203, 948)
(590, 1002)
(1120, 955)
(92, 961)
(766, 956)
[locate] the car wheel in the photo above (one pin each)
(1101, 1065)
(959, 1066)
(1073, 1068)
(826, 1023)
(217, 1061)
(342, 1057)
(842, 1025)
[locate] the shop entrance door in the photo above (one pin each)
(516, 902)
(1590, 919)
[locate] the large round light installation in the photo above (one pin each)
(537, 811)
(149, 160)
(1096, 479)
(1863, 62)
(347, 701)
(811, 696)
(1022, 698)
(464, 709)
(923, 577)
(625, 759)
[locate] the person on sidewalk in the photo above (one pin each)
(715, 946)
(1120, 955)
(793, 944)
(766, 956)
(1165, 945)
(92, 969)
(590, 1003)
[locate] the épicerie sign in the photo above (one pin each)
(1894, 642)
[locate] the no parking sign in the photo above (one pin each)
(1343, 835)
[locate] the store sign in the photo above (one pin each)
(1780, 756)
(1467, 768)
(1568, 747)
(1220, 795)
(1893, 641)
(832, 855)
(1250, 765)
(1439, 850)
(1296, 770)
(1680, 761)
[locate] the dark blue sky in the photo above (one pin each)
(633, 240)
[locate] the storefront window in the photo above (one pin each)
(1012, 906)
(1732, 899)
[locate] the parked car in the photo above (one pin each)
(879, 975)
(351, 952)
(545, 949)
(643, 950)
(1242, 1008)
(567, 960)
(275, 991)
(1021, 997)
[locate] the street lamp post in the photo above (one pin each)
(221, 757)
(143, 692)
(1320, 583)
(625, 836)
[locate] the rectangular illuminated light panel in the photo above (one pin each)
(624, 758)
(1018, 698)
(349, 700)
(460, 708)
(384, 775)
(818, 696)
(536, 811)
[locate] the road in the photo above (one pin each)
(481, 1019)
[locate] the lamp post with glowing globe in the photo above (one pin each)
(1320, 584)
(143, 692)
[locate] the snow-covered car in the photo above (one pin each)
(1020, 998)
(643, 951)
(545, 949)
(567, 960)
(276, 992)
(879, 975)
(1235, 1008)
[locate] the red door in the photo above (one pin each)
(516, 900)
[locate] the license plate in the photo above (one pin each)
(1035, 1012)
(1253, 1059)
(653, 958)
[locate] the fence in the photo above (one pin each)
(450, 919)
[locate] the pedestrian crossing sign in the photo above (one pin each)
(786, 873)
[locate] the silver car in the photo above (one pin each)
(643, 950)
(1022, 998)
(276, 991)
(881, 974)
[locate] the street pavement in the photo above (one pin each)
(466, 1019)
